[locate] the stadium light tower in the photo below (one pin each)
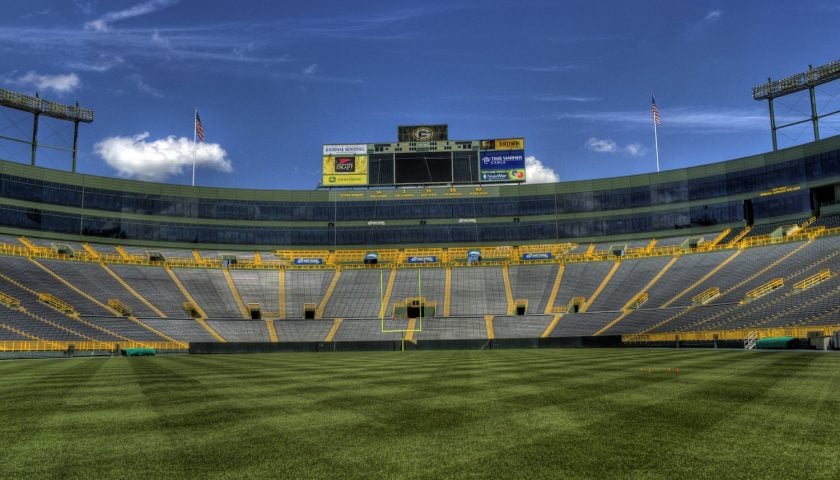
(797, 83)
(37, 107)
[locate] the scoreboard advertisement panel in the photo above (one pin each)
(424, 156)
(502, 166)
(345, 170)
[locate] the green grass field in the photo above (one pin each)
(445, 414)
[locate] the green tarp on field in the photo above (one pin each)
(776, 342)
(135, 352)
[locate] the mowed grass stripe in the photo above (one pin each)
(446, 414)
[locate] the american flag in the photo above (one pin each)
(657, 119)
(199, 128)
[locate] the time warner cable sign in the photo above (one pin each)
(502, 166)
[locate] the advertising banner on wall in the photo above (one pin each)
(422, 259)
(344, 180)
(536, 256)
(503, 144)
(353, 149)
(502, 166)
(309, 261)
(345, 170)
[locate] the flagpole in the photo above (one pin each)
(656, 141)
(195, 132)
(654, 117)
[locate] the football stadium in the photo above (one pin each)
(739, 255)
(425, 313)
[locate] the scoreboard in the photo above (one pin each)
(424, 156)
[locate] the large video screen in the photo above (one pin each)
(420, 168)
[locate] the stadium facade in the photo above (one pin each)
(791, 183)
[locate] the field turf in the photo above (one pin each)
(445, 414)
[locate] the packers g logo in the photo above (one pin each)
(422, 134)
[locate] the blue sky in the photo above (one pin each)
(273, 81)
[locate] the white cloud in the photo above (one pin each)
(605, 145)
(310, 69)
(601, 145)
(565, 98)
(160, 41)
(713, 15)
(61, 83)
(156, 161)
(101, 64)
(635, 150)
(145, 87)
(103, 23)
(536, 172)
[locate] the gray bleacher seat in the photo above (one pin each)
(305, 286)
(581, 280)
(258, 286)
(357, 294)
(477, 291)
(241, 330)
(96, 282)
(210, 290)
(302, 330)
(532, 283)
(528, 326)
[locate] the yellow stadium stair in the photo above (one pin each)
(447, 292)
(123, 254)
(210, 330)
(272, 330)
(319, 312)
(411, 328)
(720, 237)
(550, 327)
(511, 306)
(488, 325)
(282, 302)
(554, 289)
(92, 254)
(239, 303)
(30, 246)
(386, 297)
(600, 288)
(809, 282)
(738, 237)
(132, 291)
(185, 293)
(626, 309)
(335, 326)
